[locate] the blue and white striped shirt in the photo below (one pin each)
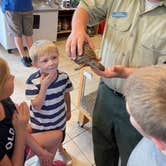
(53, 112)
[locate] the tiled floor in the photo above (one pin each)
(78, 141)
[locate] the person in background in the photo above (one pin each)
(13, 128)
(49, 92)
(19, 19)
(134, 37)
(145, 92)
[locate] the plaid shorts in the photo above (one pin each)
(19, 23)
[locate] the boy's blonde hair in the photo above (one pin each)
(145, 92)
(41, 47)
(4, 73)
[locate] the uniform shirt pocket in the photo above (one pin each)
(153, 50)
(121, 25)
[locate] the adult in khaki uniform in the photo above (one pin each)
(134, 36)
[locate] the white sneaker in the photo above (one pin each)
(66, 157)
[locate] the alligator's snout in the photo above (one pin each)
(96, 65)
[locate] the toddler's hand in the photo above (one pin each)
(21, 116)
(46, 80)
(46, 158)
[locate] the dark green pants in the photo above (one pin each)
(113, 134)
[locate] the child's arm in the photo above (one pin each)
(45, 81)
(18, 153)
(20, 120)
(44, 144)
(68, 105)
(19, 147)
(35, 92)
(42, 153)
(38, 101)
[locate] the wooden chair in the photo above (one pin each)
(87, 95)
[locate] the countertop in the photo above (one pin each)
(44, 6)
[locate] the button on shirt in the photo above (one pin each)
(133, 37)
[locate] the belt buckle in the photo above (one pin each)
(117, 93)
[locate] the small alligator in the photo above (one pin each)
(88, 58)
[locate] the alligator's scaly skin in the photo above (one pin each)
(88, 58)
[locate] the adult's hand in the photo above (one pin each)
(115, 71)
(78, 35)
(75, 43)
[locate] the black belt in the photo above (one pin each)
(113, 91)
(117, 93)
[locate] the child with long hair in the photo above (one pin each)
(14, 136)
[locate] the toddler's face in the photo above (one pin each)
(48, 63)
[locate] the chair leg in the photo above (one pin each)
(82, 119)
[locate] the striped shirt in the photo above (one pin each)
(53, 112)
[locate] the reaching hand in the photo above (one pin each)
(75, 42)
(46, 158)
(115, 71)
(21, 116)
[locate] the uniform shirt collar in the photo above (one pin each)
(151, 5)
(162, 3)
(142, 6)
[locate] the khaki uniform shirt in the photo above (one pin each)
(132, 37)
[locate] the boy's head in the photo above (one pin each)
(6, 80)
(44, 55)
(145, 93)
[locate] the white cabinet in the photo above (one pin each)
(45, 25)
